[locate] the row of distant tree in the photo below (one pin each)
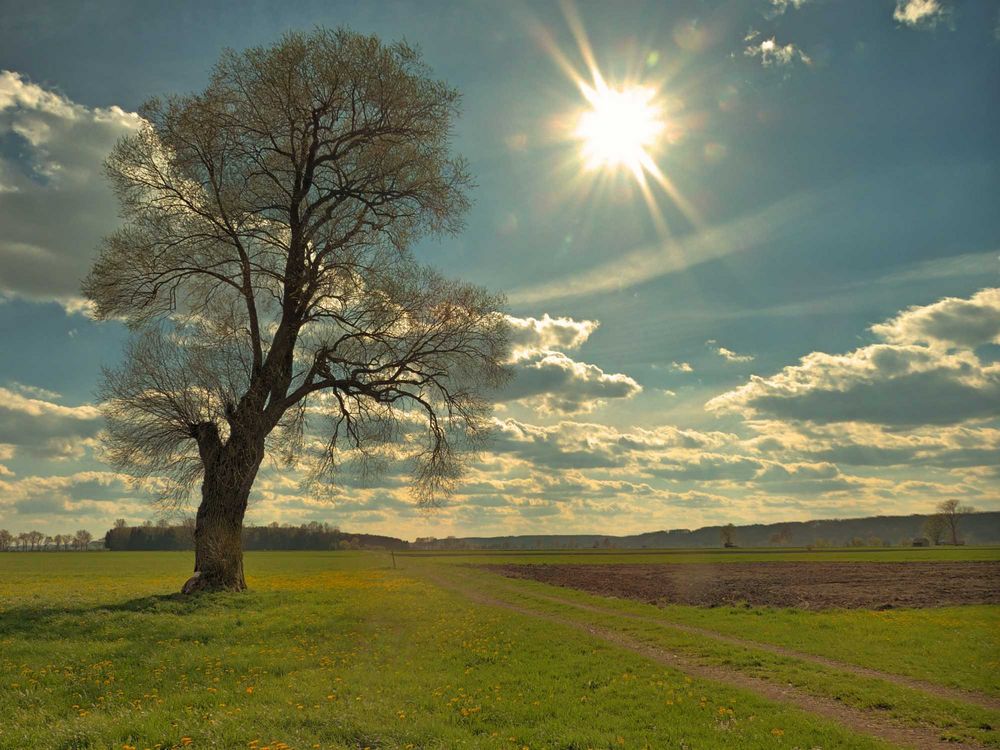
(310, 536)
(34, 541)
(942, 527)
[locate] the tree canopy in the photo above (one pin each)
(264, 264)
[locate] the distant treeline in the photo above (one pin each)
(876, 531)
(311, 536)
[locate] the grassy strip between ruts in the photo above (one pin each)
(954, 720)
(956, 647)
(335, 651)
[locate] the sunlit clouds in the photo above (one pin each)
(770, 52)
(749, 252)
(549, 380)
(919, 13)
(54, 169)
(728, 354)
(926, 370)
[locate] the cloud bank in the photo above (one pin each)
(924, 371)
(55, 205)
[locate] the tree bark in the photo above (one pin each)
(218, 541)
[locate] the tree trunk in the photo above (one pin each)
(218, 543)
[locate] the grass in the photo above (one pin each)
(338, 650)
(951, 646)
(952, 719)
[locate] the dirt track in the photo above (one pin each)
(808, 585)
(862, 721)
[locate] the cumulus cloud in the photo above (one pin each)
(548, 379)
(925, 373)
(55, 205)
(918, 13)
(681, 367)
(778, 7)
(949, 323)
(865, 444)
(79, 494)
(530, 335)
(43, 427)
(557, 384)
(708, 467)
(588, 445)
(728, 354)
(899, 385)
(771, 53)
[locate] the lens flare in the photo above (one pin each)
(621, 127)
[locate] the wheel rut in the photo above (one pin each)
(862, 722)
(940, 691)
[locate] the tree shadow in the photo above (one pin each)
(46, 622)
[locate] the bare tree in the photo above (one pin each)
(82, 539)
(6, 539)
(264, 266)
(950, 513)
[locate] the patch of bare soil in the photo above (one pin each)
(804, 585)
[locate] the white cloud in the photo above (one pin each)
(949, 323)
(728, 354)
(588, 445)
(919, 13)
(530, 335)
(551, 381)
(864, 444)
(554, 383)
(771, 52)
(925, 373)
(43, 427)
(681, 367)
(780, 6)
(56, 205)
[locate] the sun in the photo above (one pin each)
(621, 128)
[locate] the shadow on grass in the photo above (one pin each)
(45, 622)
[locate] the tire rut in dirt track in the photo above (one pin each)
(940, 691)
(854, 719)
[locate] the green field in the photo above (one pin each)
(341, 650)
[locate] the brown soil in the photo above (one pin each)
(804, 585)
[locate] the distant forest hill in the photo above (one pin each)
(975, 528)
(876, 531)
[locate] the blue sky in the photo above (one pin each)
(837, 164)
